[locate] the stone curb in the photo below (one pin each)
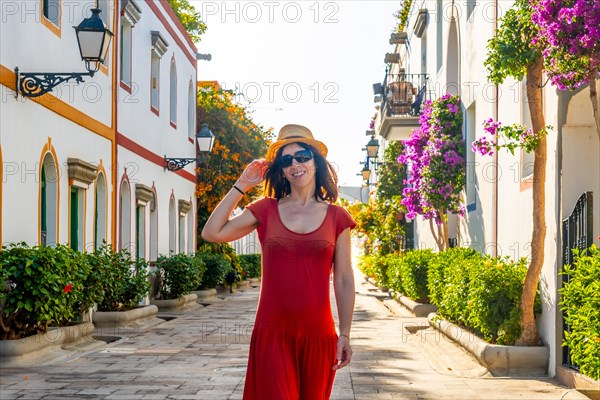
(499, 360)
(178, 303)
(41, 344)
(418, 309)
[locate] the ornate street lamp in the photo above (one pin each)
(205, 141)
(366, 173)
(93, 38)
(372, 147)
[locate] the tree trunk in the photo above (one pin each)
(529, 332)
(594, 100)
(436, 236)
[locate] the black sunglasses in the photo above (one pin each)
(301, 157)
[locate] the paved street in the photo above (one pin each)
(201, 354)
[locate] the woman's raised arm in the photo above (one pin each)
(220, 227)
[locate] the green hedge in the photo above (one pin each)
(180, 274)
(217, 267)
(250, 265)
(407, 274)
(376, 266)
(479, 292)
(125, 280)
(42, 286)
(581, 305)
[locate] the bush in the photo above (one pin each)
(179, 275)
(448, 285)
(581, 306)
(217, 267)
(407, 274)
(251, 265)
(42, 286)
(375, 265)
(125, 279)
(479, 293)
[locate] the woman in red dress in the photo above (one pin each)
(295, 349)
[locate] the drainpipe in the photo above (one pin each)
(495, 116)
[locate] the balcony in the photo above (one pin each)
(402, 98)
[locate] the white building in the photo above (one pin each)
(85, 163)
(443, 51)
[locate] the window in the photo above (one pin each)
(471, 186)
(126, 53)
(51, 11)
(48, 202)
(159, 47)
(173, 80)
(191, 111)
(424, 53)
(172, 223)
(155, 82)
(100, 211)
(470, 7)
(153, 229)
(182, 227)
(76, 218)
(140, 232)
(191, 233)
(439, 21)
(527, 159)
(125, 217)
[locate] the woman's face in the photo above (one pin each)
(298, 173)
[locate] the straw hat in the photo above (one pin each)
(295, 134)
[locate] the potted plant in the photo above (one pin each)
(125, 284)
(179, 275)
(44, 292)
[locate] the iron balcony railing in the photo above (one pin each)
(403, 94)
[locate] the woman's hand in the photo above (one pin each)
(344, 352)
(253, 175)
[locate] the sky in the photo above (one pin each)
(303, 62)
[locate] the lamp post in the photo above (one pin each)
(93, 38)
(205, 141)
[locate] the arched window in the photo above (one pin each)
(173, 114)
(100, 212)
(125, 216)
(48, 202)
(191, 111)
(191, 231)
(153, 228)
(172, 226)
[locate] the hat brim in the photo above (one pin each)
(274, 148)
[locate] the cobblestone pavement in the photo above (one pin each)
(202, 354)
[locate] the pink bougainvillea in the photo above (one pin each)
(435, 156)
(569, 34)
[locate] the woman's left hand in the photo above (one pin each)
(344, 352)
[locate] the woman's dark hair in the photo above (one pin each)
(277, 186)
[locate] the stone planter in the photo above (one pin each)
(243, 284)
(499, 360)
(584, 384)
(138, 318)
(254, 281)
(26, 350)
(187, 301)
(205, 294)
(417, 309)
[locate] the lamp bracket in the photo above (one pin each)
(175, 164)
(36, 84)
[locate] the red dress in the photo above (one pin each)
(294, 341)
